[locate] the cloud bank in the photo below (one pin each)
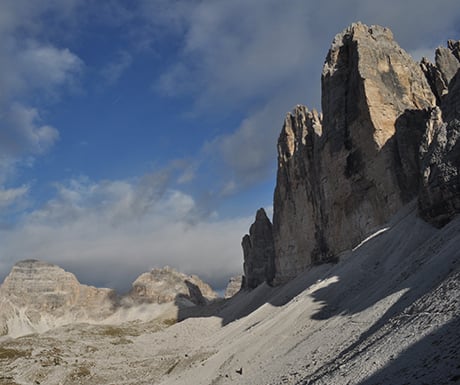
(108, 232)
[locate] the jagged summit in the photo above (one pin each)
(388, 134)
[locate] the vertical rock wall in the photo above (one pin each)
(343, 175)
(389, 133)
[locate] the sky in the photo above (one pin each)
(142, 133)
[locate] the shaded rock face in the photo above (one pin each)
(345, 173)
(168, 285)
(439, 198)
(258, 250)
(35, 291)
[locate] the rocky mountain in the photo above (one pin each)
(168, 285)
(37, 296)
(372, 185)
(388, 134)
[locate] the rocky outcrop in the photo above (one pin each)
(258, 250)
(168, 285)
(36, 293)
(346, 172)
(234, 286)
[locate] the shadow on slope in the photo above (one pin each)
(432, 360)
(407, 259)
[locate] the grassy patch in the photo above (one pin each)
(169, 321)
(114, 331)
(13, 354)
(80, 372)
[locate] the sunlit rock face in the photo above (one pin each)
(346, 172)
(233, 286)
(168, 285)
(37, 295)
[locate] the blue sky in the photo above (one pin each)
(135, 134)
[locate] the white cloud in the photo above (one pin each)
(21, 131)
(98, 231)
(9, 197)
(114, 70)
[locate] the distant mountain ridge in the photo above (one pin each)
(389, 133)
(37, 296)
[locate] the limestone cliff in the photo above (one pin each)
(36, 293)
(343, 174)
(388, 134)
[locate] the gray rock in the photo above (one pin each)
(439, 198)
(258, 250)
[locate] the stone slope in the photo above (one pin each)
(387, 135)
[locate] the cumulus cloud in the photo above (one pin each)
(9, 197)
(108, 232)
(30, 69)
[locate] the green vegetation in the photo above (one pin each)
(169, 321)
